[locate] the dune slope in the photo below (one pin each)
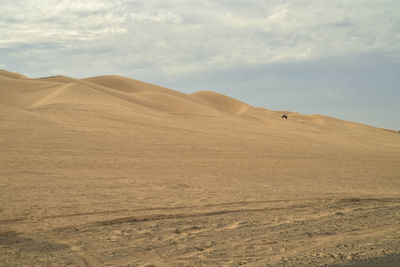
(112, 171)
(221, 102)
(13, 75)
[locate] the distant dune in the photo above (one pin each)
(13, 75)
(113, 171)
(221, 102)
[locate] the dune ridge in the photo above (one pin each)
(221, 102)
(13, 75)
(116, 92)
(20, 91)
(62, 89)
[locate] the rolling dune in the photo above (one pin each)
(13, 75)
(59, 79)
(221, 102)
(22, 92)
(110, 171)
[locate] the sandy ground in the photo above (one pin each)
(109, 171)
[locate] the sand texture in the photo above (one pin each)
(110, 171)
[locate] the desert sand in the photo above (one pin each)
(111, 171)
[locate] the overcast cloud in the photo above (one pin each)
(337, 57)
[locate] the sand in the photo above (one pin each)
(110, 171)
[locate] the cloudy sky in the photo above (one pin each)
(338, 57)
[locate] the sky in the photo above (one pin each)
(339, 58)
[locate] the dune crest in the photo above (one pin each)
(58, 79)
(23, 93)
(17, 90)
(128, 85)
(113, 90)
(221, 102)
(152, 96)
(13, 75)
(77, 94)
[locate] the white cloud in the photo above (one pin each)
(277, 17)
(160, 17)
(240, 21)
(42, 21)
(176, 36)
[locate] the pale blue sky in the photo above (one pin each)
(339, 57)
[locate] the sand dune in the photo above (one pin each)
(62, 89)
(58, 79)
(112, 171)
(221, 102)
(153, 96)
(18, 92)
(74, 93)
(130, 85)
(13, 75)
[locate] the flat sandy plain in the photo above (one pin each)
(110, 171)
